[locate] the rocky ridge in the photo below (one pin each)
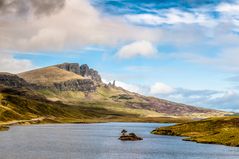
(84, 85)
(82, 70)
(14, 81)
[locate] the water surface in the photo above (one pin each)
(100, 141)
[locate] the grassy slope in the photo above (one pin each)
(23, 104)
(117, 99)
(105, 104)
(15, 106)
(112, 98)
(102, 98)
(49, 75)
(224, 130)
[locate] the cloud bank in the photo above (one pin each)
(60, 25)
(25, 8)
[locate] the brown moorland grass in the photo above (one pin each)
(221, 130)
(48, 75)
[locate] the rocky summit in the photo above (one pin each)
(63, 77)
(84, 85)
(82, 70)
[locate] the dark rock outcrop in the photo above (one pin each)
(12, 80)
(85, 71)
(112, 84)
(85, 85)
(72, 67)
(82, 70)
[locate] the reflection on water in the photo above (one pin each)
(100, 141)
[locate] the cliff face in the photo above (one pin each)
(12, 80)
(85, 85)
(82, 70)
(72, 67)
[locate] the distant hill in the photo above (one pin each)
(79, 86)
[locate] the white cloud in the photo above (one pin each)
(160, 88)
(138, 48)
(79, 24)
(171, 16)
(75, 25)
(228, 7)
(229, 12)
(130, 87)
(10, 64)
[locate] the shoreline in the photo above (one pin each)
(43, 120)
(5, 126)
(189, 139)
(207, 142)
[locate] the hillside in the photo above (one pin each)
(24, 104)
(48, 76)
(115, 98)
(223, 130)
(74, 92)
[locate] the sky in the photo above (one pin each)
(182, 50)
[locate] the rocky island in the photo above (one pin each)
(129, 137)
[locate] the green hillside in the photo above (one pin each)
(107, 98)
(24, 106)
(224, 130)
(118, 99)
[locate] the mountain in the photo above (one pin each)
(59, 79)
(66, 87)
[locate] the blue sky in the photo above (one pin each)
(182, 50)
